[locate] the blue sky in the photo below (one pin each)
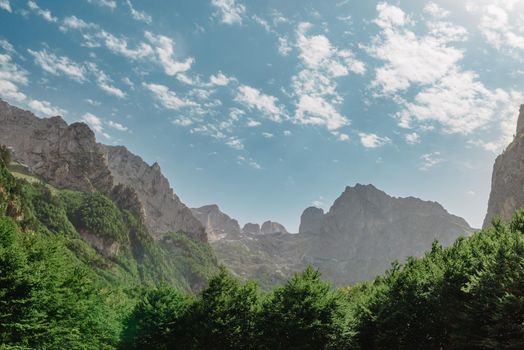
(267, 107)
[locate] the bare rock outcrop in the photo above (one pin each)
(269, 227)
(218, 224)
(164, 212)
(507, 181)
(251, 228)
(66, 156)
(311, 220)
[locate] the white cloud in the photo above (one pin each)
(11, 75)
(230, 11)
(182, 121)
(73, 22)
(164, 47)
(243, 160)
(429, 160)
(343, 137)
(458, 102)
(169, 99)
(120, 46)
(317, 111)
(410, 59)
(219, 79)
(45, 108)
(500, 23)
(104, 82)
(6, 45)
(253, 123)
(111, 4)
(287, 132)
(138, 15)
(117, 126)
(267, 135)
(284, 48)
(235, 143)
(315, 86)
(93, 102)
(412, 138)
(93, 121)
(435, 10)
(5, 5)
(373, 140)
(58, 65)
(45, 14)
(253, 98)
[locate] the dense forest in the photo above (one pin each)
(58, 292)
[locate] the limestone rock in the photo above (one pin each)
(66, 156)
(311, 220)
(164, 212)
(507, 181)
(251, 228)
(269, 227)
(218, 225)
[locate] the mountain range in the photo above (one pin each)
(356, 239)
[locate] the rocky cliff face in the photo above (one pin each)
(68, 156)
(363, 232)
(507, 181)
(164, 212)
(218, 225)
(311, 220)
(269, 227)
(251, 228)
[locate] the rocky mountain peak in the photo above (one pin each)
(520, 120)
(218, 224)
(507, 194)
(270, 227)
(251, 228)
(311, 220)
(68, 156)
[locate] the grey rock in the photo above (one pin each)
(269, 227)
(251, 228)
(68, 156)
(311, 220)
(164, 212)
(507, 180)
(218, 224)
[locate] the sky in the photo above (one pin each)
(267, 107)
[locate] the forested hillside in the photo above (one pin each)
(58, 292)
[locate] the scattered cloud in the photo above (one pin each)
(244, 160)
(412, 138)
(219, 79)
(267, 135)
(253, 123)
(138, 15)
(343, 137)
(120, 46)
(164, 48)
(230, 11)
(429, 160)
(314, 86)
(182, 121)
(73, 22)
(45, 108)
(58, 65)
(111, 4)
(255, 99)
(284, 47)
(104, 82)
(372, 140)
(235, 142)
(5, 5)
(45, 14)
(167, 98)
(117, 126)
(411, 59)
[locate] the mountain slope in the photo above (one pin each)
(68, 156)
(363, 232)
(507, 194)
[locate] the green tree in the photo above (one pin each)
(306, 313)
